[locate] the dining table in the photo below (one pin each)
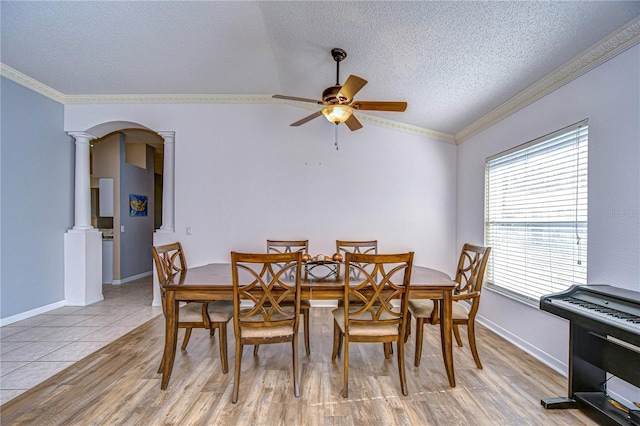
(214, 282)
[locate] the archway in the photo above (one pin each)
(83, 243)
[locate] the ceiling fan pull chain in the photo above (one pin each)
(336, 137)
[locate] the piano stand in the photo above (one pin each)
(598, 347)
(591, 356)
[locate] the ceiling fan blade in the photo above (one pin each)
(307, 118)
(351, 87)
(379, 106)
(353, 123)
(294, 98)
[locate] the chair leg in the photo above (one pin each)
(407, 332)
(345, 389)
(472, 343)
(187, 336)
(401, 370)
(418, 348)
(223, 348)
(236, 372)
(212, 331)
(337, 339)
(387, 350)
(255, 350)
(306, 331)
(456, 333)
(296, 378)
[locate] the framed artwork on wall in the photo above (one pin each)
(138, 205)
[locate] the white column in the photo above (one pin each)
(165, 234)
(82, 219)
(82, 243)
(168, 180)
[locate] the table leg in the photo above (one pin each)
(446, 327)
(171, 336)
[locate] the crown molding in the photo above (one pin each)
(167, 99)
(30, 83)
(407, 128)
(614, 44)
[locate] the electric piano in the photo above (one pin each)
(604, 337)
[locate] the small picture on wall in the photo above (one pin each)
(138, 205)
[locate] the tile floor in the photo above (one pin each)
(34, 349)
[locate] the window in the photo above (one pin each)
(536, 215)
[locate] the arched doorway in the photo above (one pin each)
(126, 168)
(83, 243)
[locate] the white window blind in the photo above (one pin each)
(536, 214)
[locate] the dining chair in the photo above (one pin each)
(170, 263)
(269, 283)
(466, 300)
(292, 246)
(362, 246)
(374, 318)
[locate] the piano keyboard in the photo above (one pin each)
(615, 317)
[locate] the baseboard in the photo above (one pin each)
(32, 313)
(324, 303)
(132, 278)
(540, 355)
(86, 302)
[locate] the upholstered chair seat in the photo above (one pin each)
(425, 307)
(367, 330)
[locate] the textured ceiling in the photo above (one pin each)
(453, 62)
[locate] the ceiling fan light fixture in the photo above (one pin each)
(337, 113)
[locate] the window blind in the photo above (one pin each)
(536, 214)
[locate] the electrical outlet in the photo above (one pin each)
(188, 230)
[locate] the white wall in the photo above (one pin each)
(244, 175)
(609, 96)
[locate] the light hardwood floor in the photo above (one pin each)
(118, 384)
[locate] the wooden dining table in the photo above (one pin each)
(214, 282)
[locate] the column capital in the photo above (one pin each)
(167, 135)
(81, 135)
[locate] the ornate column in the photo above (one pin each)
(168, 180)
(166, 233)
(82, 219)
(82, 243)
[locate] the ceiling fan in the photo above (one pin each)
(338, 100)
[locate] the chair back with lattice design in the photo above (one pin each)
(363, 247)
(169, 260)
(373, 282)
(471, 269)
(264, 282)
(287, 246)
